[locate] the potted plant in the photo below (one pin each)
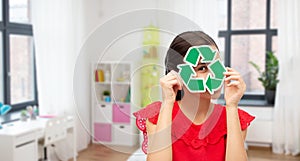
(268, 78)
(23, 115)
(106, 96)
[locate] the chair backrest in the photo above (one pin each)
(55, 130)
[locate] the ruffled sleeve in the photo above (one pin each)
(245, 119)
(151, 113)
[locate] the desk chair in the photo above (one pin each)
(55, 131)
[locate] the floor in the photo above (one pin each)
(265, 154)
(103, 153)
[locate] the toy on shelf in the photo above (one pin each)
(107, 76)
(106, 96)
(124, 76)
(99, 75)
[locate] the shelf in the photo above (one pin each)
(118, 102)
(112, 102)
(103, 83)
(103, 102)
(112, 121)
(120, 83)
(109, 83)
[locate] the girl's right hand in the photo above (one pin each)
(170, 84)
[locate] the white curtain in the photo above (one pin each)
(286, 133)
(205, 14)
(54, 28)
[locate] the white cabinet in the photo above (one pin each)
(122, 134)
(260, 131)
(103, 112)
(26, 152)
(112, 119)
(21, 147)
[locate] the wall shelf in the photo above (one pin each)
(112, 121)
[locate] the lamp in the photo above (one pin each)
(4, 109)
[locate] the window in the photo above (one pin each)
(19, 11)
(247, 31)
(18, 75)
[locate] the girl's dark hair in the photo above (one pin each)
(180, 46)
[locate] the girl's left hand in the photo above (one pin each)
(234, 87)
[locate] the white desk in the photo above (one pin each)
(19, 140)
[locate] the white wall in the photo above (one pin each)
(106, 31)
(91, 14)
(260, 131)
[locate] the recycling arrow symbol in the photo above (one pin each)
(214, 79)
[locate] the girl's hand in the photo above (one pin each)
(170, 85)
(234, 86)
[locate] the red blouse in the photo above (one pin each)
(204, 142)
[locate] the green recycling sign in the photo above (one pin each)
(213, 81)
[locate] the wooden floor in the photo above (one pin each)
(97, 152)
(103, 153)
(265, 154)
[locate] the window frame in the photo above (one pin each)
(9, 28)
(229, 32)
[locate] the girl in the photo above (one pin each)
(189, 126)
